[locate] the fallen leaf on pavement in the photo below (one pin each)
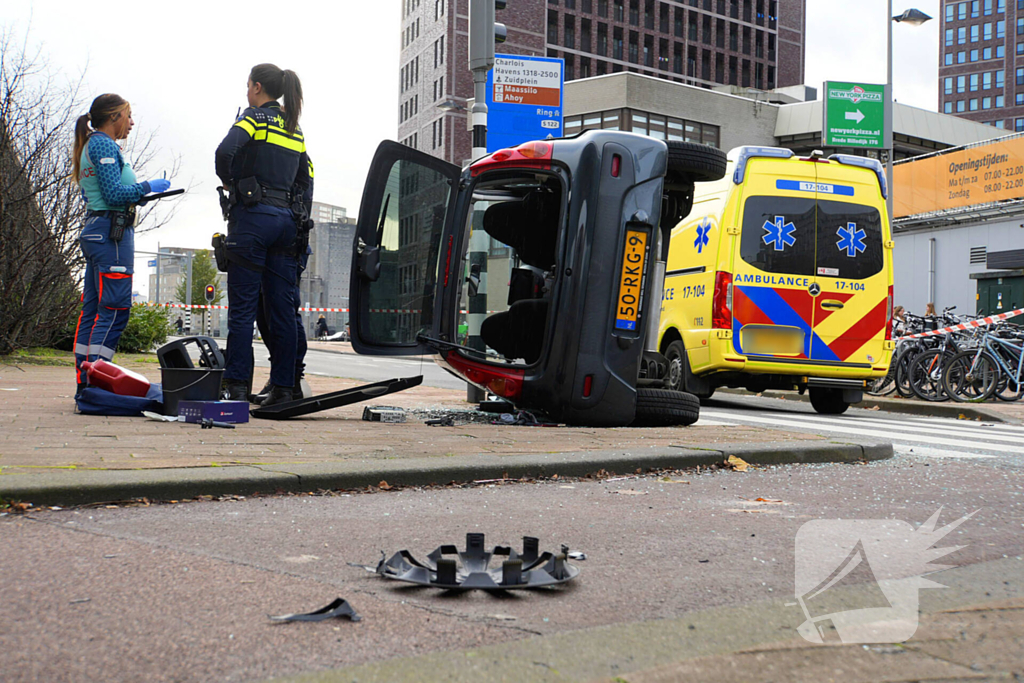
(738, 464)
(384, 486)
(874, 407)
(566, 487)
(771, 512)
(669, 480)
(629, 492)
(770, 501)
(502, 617)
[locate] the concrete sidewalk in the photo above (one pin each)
(51, 455)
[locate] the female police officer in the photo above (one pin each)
(263, 163)
(107, 239)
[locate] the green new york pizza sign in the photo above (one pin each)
(854, 115)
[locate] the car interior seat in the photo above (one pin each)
(529, 225)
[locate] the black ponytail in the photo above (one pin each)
(281, 83)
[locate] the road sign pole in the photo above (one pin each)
(888, 114)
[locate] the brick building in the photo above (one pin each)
(744, 43)
(978, 43)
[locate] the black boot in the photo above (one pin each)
(260, 397)
(234, 391)
(278, 395)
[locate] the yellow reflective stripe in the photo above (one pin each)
(281, 131)
(311, 169)
(286, 142)
(245, 125)
(260, 135)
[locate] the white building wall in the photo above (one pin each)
(953, 284)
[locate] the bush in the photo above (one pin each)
(147, 327)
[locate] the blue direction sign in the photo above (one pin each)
(524, 100)
(151, 263)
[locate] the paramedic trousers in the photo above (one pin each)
(261, 258)
(106, 291)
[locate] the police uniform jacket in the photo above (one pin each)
(259, 145)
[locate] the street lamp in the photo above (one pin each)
(914, 18)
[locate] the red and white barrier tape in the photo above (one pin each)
(980, 322)
(310, 309)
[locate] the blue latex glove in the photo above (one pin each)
(159, 185)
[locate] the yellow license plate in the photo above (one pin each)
(631, 280)
(772, 341)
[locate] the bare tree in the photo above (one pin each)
(41, 209)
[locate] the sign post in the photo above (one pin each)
(855, 115)
(524, 100)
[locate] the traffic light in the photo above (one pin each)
(484, 32)
(210, 291)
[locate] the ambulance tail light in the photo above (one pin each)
(721, 303)
(888, 316)
(535, 154)
(504, 382)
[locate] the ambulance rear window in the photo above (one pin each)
(849, 240)
(778, 234)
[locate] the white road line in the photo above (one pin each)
(987, 426)
(850, 429)
(924, 451)
(908, 427)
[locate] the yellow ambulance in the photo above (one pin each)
(781, 278)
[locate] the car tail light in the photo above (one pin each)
(588, 385)
(721, 304)
(536, 154)
(504, 382)
(616, 165)
(888, 316)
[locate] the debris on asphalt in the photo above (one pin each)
(383, 414)
(209, 423)
(575, 555)
(530, 569)
(737, 464)
(337, 609)
(446, 421)
(670, 480)
(384, 485)
(629, 492)
(769, 501)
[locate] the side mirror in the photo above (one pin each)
(369, 262)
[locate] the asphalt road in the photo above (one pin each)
(922, 436)
(182, 592)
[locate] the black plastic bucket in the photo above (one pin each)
(189, 384)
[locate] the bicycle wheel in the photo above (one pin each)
(883, 386)
(970, 378)
(926, 376)
(1008, 389)
(903, 372)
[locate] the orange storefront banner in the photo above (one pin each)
(979, 175)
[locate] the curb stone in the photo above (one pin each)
(84, 487)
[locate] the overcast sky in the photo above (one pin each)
(183, 66)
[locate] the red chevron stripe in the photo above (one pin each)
(860, 332)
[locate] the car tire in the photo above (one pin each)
(828, 401)
(694, 162)
(665, 408)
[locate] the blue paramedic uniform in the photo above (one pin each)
(108, 185)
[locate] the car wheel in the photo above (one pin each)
(665, 408)
(828, 401)
(694, 162)
(679, 370)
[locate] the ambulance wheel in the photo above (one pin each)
(828, 401)
(694, 162)
(679, 376)
(665, 408)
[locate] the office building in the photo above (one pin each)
(741, 43)
(979, 41)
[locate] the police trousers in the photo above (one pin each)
(106, 291)
(263, 322)
(261, 257)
